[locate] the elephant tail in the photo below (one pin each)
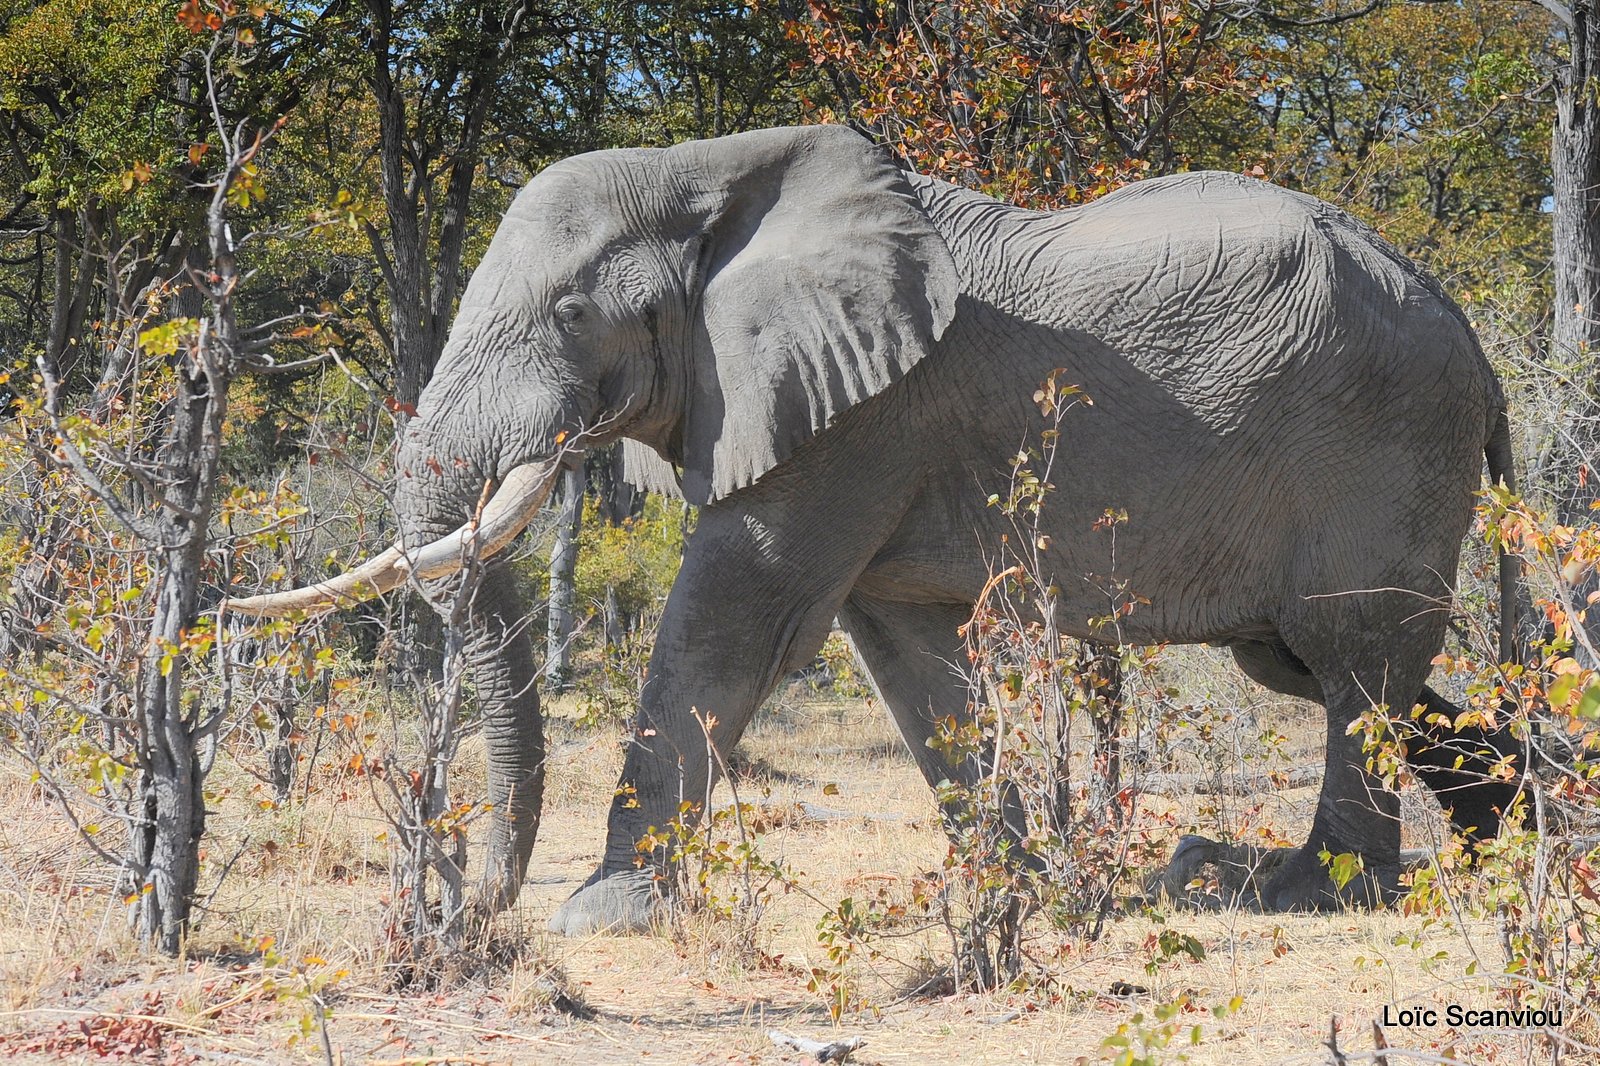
(1502, 471)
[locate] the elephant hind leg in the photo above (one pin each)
(911, 651)
(914, 655)
(1474, 802)
(1455, 765)
(1366, 648)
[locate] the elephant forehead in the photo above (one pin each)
(576, 197)
(530, 259)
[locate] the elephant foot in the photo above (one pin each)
(1208, 874)
(1305, 883)
(623, 903)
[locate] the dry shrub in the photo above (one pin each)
(1539, 880)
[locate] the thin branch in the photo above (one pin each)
(1330, 20)
(68, 452)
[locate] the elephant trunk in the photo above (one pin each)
(437, 487)
(489, 619)
(499, 655)
(497, 650)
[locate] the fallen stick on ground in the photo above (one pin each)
(818, 813)
(837, 1051)
(1165, 784)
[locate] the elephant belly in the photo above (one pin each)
(1190, 575)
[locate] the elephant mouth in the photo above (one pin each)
(499, 517)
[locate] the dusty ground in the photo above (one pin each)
(312, 876)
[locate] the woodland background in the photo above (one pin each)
(232, 236)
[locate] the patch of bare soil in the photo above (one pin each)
(288, 967)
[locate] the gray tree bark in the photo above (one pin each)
(420, 256)
(74, 286)
(170, 820)
(616, 625)
(1575, 342)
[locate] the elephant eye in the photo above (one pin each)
(573, 314)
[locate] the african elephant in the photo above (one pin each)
(835, 359)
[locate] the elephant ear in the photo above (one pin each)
(643, 468)
(822, 283)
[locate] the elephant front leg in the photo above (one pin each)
(751, 603)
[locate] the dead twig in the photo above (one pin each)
(837, 1051)
(157, 1019)
(1332, 1043)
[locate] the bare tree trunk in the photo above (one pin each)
(1575, 164)
(616, 626)
(283, 752)
(166, 844)
(74, 284)
(418, 338)
(168, 822)
(563, 592)
(618, 500)
(427, 225)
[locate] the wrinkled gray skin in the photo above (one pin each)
(839, 359)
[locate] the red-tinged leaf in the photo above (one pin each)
(191, 18)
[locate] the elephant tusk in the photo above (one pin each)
(496, 525)
(372, 578)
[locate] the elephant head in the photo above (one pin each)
(718, 303)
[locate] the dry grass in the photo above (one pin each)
(313, 876)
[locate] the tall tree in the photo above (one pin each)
(1575, 163)
(152, 475)
(1039, 104)
(435, 72)
(1426, 121)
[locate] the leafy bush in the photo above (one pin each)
(1040, 817)
(636, 561)
(1539, 881)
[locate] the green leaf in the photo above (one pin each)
(1560, 690)
(166, 338)
(1344, 867)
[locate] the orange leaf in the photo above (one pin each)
(191, 18)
